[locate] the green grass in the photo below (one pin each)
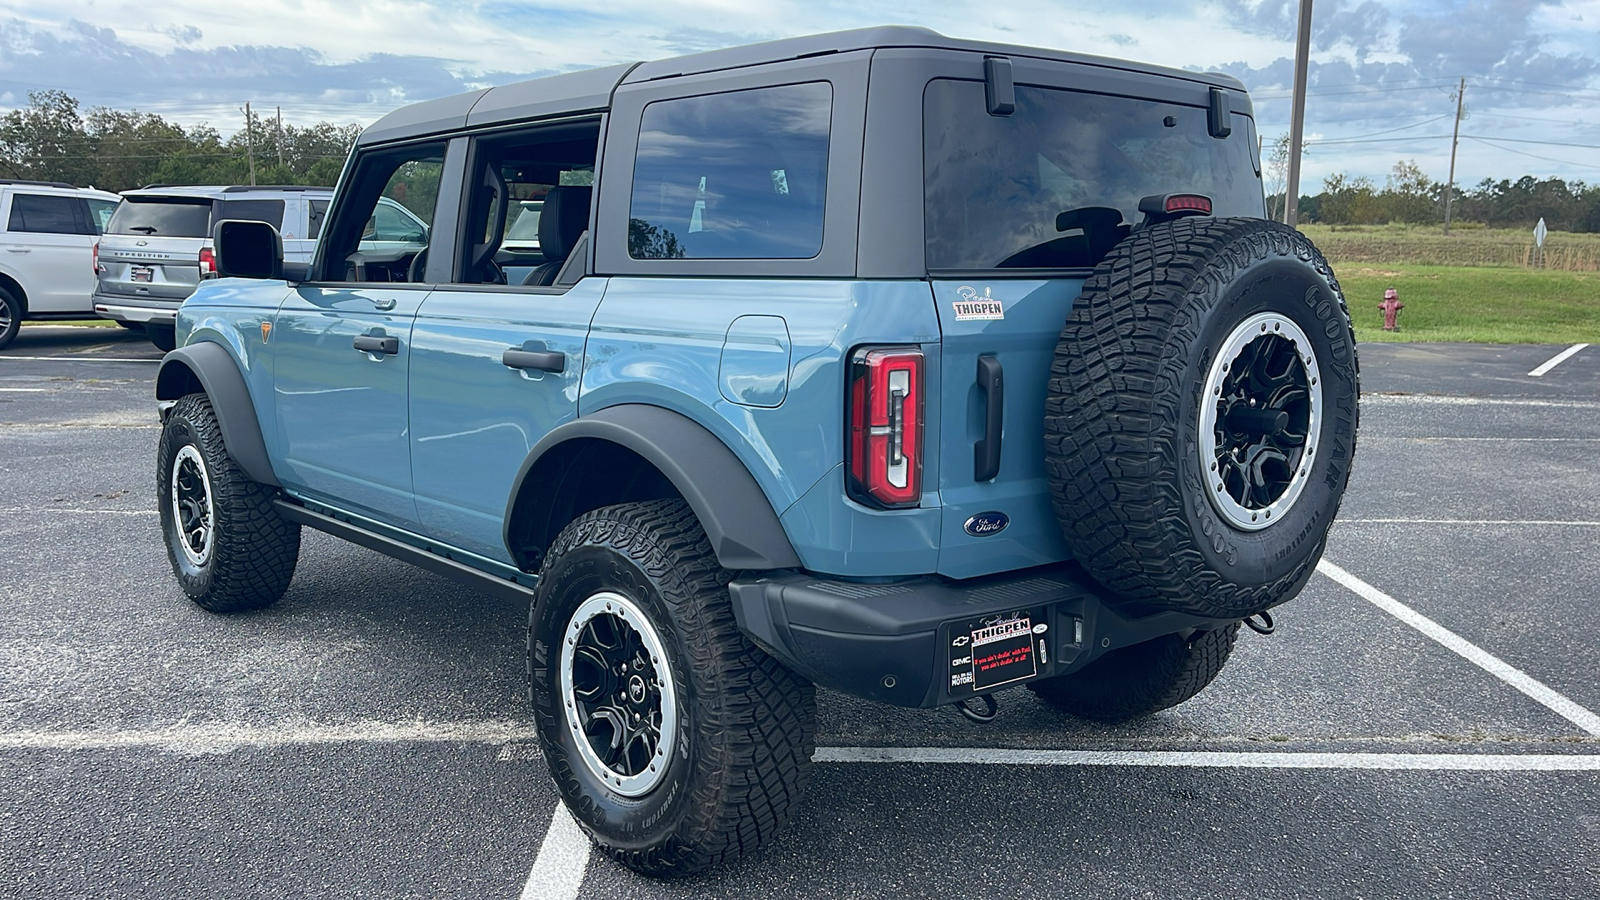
(1464, 303)
(1466, 245)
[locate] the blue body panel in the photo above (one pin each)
(473, 419)
(660, 341)
(1024, 341)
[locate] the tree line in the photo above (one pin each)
(54, 139)
(1409, 195)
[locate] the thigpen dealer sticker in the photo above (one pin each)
(973, 306)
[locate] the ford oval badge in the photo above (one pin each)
(986, 523)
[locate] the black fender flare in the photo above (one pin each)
(209, 367)
(739, 520)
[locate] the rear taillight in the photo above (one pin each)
(884, 452)
(94, 257)
(208, 263)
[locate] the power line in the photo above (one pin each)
(1565, 162)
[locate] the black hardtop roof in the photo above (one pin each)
(589, 90)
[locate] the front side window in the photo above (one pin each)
(381, 229)
(740, 175)
(1058, 182)
(43, 214)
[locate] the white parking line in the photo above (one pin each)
(1556, 702)
(1449, 400)
(24, 390)
(563, 858)
(1541, 522)
(82, 359)
(1452, 762)
(1557, 360)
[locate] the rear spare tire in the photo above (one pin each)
(1201, 416)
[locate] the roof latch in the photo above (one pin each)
(1217, 118)
(998, 87)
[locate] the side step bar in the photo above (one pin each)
(503, 588)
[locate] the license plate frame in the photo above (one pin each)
(997, 650)
(142, 274)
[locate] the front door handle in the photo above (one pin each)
(20, 249)
(377, 343)
(545, 360)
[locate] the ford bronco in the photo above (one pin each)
(911, 367)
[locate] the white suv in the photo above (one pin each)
(47, 235)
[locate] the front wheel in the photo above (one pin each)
(675, 742)
(229, 548)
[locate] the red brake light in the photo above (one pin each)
(1185, 202)
(208, 263)
(94, 257)
(884, 446)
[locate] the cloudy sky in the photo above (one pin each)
(1383, 74)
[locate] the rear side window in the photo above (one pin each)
(740, 175)
(998, 188)
(268, 211)
(162, 217)
(100, 212)
(43, 214)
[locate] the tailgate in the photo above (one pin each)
(149, 268)
(1017, 323)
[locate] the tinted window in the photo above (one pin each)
(100, 212)
(996, 185)
(381, 224)
(319, 211)
(732, 176)
(163, 217)
(43, 214)
(268, 211)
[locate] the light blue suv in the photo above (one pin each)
(912, 367)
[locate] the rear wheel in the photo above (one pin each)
(228, 547)
(675, 742)
(1136, 681)
(10, 317)
(1201, 416)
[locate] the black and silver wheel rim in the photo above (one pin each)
(1258, 421)
(193, 515)
(5, 316)
(617, 694)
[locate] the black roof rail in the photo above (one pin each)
(54, 184)
(246, 188)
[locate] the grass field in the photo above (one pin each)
(1466, 245)
(1464, 303)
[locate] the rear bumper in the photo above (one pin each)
(911, 643)
(130, 309)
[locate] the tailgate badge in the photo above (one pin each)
(975, 306)
(986, 523)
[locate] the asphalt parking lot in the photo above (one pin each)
(1423, 723)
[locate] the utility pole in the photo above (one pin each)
(1297, 121)
(1450, 188)
(250, 142)
(279, 141)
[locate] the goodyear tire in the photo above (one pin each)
(228, 547)
(675, 742)
(1201, 416)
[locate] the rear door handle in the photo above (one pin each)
(545, 360)
(986, 452)
(376, 343)
(20, 249)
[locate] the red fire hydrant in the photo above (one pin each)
(1391, 307)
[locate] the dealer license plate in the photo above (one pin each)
(143, 273)
(999, 650)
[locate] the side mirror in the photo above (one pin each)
(247, 249)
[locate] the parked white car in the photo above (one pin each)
(48, 238)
